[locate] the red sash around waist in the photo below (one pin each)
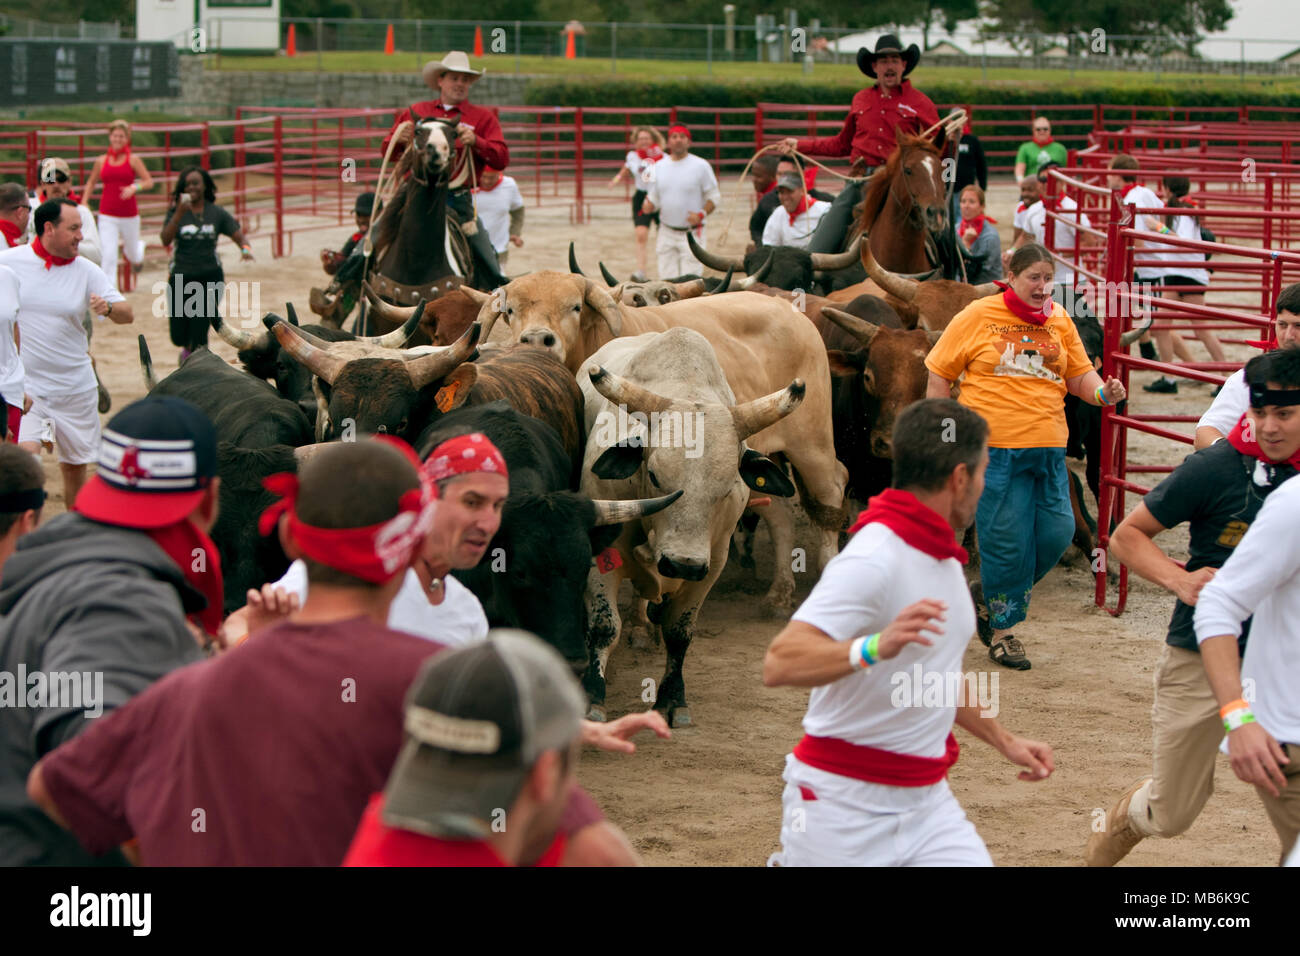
(874, 765)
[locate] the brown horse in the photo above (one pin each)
(904, 208)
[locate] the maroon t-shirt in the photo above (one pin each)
(265, 756)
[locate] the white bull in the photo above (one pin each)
(660, 415)
(761, 344)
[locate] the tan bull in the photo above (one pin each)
(761, 343)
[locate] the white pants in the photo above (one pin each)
(70, 422)
(824, 823)
(674, 254)
(111, 228)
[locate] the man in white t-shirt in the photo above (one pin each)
(501, 210)
(1257, 696)
(684, 191)
(1231, 402)
(794, 221)
(55, 288)
(1145, 278)
(867, 784)
(11, 363)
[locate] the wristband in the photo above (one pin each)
(1238, 704)
(872, 648)
(860, 656)
(248, 249)
(1238, 718)
(1101, 395)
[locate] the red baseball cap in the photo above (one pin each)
(157, 457)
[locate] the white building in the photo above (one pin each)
(222, 25)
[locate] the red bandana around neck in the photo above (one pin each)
(802, 208)
(12, 233)
(1128, 188)
(488, 189)
(1237, 439)
(921, 527)
(358, 235)
(977, 224)
(1043, 141)
(117, 158)
(200, 561)
(1022, 309)
(654, 153)
(49, 257)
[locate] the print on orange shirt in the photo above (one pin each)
(1028, 352)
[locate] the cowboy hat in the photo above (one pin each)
(888, 43)
(454, 62)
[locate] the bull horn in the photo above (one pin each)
(628, 394)
(434, 367)
(600, 300)
(920, 276)
(292, 313)
(896, 285)
(573, 260)
(712, 260)
(487, 311)
(987, 288)
(1133, 334)
(762, 412)
(693, 287)
(146, 365)
(724, 285)
(241, 340)
(397, 338)
(860, 329)
(304, 453)
(616, 512)
(835, 261)
(609, 276)
(397, 314)
(760, 275)
(301, 346)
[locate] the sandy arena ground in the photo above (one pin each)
(711, 795)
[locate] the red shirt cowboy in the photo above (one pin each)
(477, 127)
(892, 103)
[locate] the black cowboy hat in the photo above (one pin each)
(888, 43)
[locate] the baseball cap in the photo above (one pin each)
(51, 165)
(477, 718)
(789, 181)
(365, 205)
(156, 458)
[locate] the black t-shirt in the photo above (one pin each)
(1214, 490)
(195, 245)
(971, 165)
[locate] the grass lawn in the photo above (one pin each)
(845, 73)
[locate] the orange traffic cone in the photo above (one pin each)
(388, 42)
(291, 48)
(478, 41)
(569, 52)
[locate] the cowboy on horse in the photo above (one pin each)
(869, 134)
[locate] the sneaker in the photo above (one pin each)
(1165, 386)
(1009, 652)
(1114, 843)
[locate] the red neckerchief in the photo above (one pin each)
(977, 224)
(488, 189)
(802, 208)
(1022, 309)
(1128, 189)
(920, 526)
(654, 153)
(1022, 206)
(13, 234)
(1237, 439)
(1267, 345)
(356, 236)
(50, 258)
(124, 155)
(181, 541)
(1043, 142)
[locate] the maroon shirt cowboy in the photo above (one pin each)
(489, 147)
(868, 132)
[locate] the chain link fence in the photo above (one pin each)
(20, 28)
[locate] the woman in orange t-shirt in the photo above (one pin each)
(1020, 354)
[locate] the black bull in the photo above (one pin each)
(257, 432)
(534, 574)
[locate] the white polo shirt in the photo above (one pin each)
(11, 364)
(1262, 577)
(52, 302)
(494, 208)
(681, 186)
(779, 231)
(457, 621)
(1146, 199)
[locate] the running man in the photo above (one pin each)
(867, 786)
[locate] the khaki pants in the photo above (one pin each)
(1186, 732)
(1284, 811)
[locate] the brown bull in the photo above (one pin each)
(930, 304)
(762, 345)
(444, 321)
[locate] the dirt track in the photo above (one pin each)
(711, 795)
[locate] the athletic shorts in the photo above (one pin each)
(71, 422)
(640, 219)
(1182, 280)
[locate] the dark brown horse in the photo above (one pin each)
(904, 207)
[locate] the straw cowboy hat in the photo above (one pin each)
(888, 43)
(454, 62)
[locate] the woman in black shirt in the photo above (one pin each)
(195, 222)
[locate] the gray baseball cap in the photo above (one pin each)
(789, 181)
(477, 718)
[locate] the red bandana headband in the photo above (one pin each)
(679, 128)
(465, 455)
(372, 553)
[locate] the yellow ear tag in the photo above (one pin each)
(760, 481)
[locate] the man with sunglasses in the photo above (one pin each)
(1042, 149)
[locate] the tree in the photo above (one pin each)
(1146, 27)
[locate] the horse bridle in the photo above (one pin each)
(914, 214)
(453, 145)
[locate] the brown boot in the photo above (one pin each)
(1114, 843)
